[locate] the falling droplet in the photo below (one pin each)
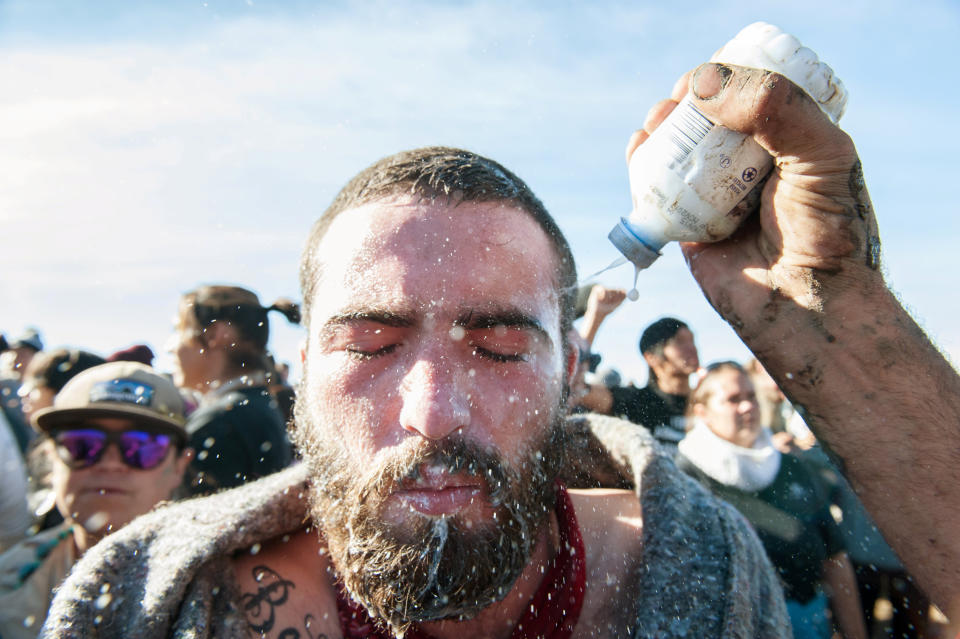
(633, 294)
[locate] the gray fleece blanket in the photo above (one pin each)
(168, 574)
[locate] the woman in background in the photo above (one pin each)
(730, 453)
(219, 348)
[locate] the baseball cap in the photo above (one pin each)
(117, 389)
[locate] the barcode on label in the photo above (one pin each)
(688, 128)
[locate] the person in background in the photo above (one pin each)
(219, 348)
(14, 358)
(117, 445)
(46, 376)
(776, 411)
(136, 353)
(732, 454)
(594, 304)
(281, 390)
(15, 518)
(601, 302)
(19, 353)
(668, 347)
(48, 373)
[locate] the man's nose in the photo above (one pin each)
(433, 403)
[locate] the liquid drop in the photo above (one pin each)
(633, 294)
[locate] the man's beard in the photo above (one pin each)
(428, 568)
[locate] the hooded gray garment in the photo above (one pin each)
(169, 574)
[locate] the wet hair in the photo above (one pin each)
(450, 175)
(240, 308)
(53, 369)
(701, 394)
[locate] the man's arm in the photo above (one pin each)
(800, 283)
(841, 583)
(601, 302)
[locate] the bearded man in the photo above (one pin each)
(439, 295)
(431, 501)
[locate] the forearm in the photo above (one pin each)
(885, 401)
(591, 324)
(841, 584)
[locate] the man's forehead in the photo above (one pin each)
(425, 224)
(428, 254)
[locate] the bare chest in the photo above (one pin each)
(286, 590)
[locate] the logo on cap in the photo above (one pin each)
(125, 391)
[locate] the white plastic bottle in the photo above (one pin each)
(694, 181)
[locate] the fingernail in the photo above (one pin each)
(710, 79)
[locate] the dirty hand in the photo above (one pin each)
(815, 225)
(603, 301)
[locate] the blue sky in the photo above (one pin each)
(149, 147)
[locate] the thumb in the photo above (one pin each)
(777, 113)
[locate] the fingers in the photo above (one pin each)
(613, 296)
(680, 88)
(605, 299)
(639, 137)
(777, 113)
(655, 116)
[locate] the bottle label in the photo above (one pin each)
(689, 176)
(687, 131)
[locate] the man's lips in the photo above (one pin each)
(436, 492)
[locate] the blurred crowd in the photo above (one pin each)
(89, 442)
(85, 448)
(729, 426)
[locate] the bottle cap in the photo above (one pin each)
(632, 247)
(764, 46)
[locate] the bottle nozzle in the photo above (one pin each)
(632, 246)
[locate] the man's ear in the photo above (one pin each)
(303, 351)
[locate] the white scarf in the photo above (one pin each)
(749, 469)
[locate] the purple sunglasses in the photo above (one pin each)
(83, 447)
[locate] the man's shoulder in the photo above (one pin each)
(700, 561)
(215, 515)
